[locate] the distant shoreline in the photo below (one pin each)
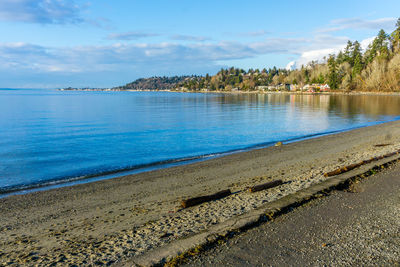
(336, 92)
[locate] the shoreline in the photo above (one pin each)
(347, 93)
(112, 220)
(90, 178)
(337, 92)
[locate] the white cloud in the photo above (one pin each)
(130, 35)
(182, 37)
(40, 11)
(358, 23)
(291, 65)
(255, 33)
(366, 42)
(315, 55)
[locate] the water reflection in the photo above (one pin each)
(373, 106)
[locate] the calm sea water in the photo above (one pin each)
(49, 136)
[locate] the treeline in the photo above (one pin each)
(375, 69)
(234, 78)
(154, 83)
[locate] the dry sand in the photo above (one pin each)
(111, 220)
(358, 226)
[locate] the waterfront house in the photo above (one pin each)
(325, 88)
(306, 87)
(294, 87)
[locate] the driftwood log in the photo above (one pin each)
(356, 165)
(265, 186)
(198, 200)
(380, 145)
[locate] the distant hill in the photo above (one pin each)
(155, 83)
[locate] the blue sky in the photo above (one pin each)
(103, 43)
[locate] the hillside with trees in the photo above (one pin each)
(154, 83)
(375, 69)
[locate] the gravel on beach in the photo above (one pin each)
(360, 227)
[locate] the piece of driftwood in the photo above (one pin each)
(265, 186)
(356, 165)
(343, 169)
(198, 200)
(380, 145)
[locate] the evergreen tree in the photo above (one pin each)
(340, 58)
(321, 79)
(307, 75)
(395, 37)
(347, 57)
(356, 51)
(379, 47)
(356, 56)
(333, 80)
(358, 66)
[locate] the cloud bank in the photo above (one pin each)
(146, 59)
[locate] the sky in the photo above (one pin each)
(103, 43)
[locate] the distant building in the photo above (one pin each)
(262, 87)
(315, 87)
(294, 87)
(325, 88)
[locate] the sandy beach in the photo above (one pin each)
(112, 220)
(357, 226)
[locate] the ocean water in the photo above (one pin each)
(50, 136)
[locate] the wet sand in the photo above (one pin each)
(111, 220)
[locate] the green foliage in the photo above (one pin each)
(155, 83)
(378, 48)
(358, 65)
(395, 37)
(333, 78)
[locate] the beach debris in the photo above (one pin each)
(381, 145)
(355, 165)
(355, 187)
(278, 143)
(167, 234)
(265, 186)
(198, 200)
(344, 169)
